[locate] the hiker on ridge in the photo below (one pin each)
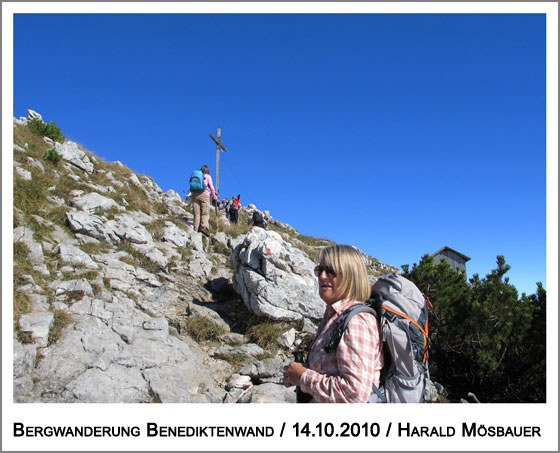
(257, 220)
(201, 203)
(347, 373)
(234, 209)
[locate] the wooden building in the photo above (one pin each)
(455, 259)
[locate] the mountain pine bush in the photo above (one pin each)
(483, 337)
(43, 129)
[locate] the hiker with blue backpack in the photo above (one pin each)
(382, 342)
(202, 188)
(348, 372)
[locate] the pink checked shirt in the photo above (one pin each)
(345, 375)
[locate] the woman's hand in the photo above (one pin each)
(292, 373)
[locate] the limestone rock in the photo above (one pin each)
(118, 384)
(124, 227)
(24, 174)
(71, 152)
(75, 256)
(288, 338)
(272, 393)
(94, 203)
(237, 381)
(33, 115)
(26, 236)
(265, 368)
(274, 278)
(174, 235)
(38, 324)
(24, 361)
(87, 224)
(246, 349)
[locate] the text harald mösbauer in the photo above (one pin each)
(155, 430)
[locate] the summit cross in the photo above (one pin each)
(219, 147)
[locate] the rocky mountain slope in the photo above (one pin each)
(117, 299)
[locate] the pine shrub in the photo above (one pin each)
(52, 156)
(43, 129)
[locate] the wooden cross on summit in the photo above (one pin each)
(219, 147)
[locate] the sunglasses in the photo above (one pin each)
(329, 270)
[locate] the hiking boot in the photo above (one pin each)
(205, 232)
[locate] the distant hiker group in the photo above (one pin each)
(201, 189)
(232, 208)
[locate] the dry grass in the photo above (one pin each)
(95, 248)
(139, 258)
(156, 228)
(265, 334)
(36, 146)
(219, 247)
(236, 360)
(233, 230)
(22, 304)
(24, 337)
(61, 320)
(201, 329)
(31, 196)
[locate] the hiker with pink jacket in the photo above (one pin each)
(201, 203)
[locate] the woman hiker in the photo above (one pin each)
(347, 373)
(201, 203)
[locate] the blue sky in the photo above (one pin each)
(396, 133)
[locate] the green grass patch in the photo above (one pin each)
(201, 329)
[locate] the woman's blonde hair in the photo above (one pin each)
(350, 268)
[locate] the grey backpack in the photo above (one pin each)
(402, 312)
